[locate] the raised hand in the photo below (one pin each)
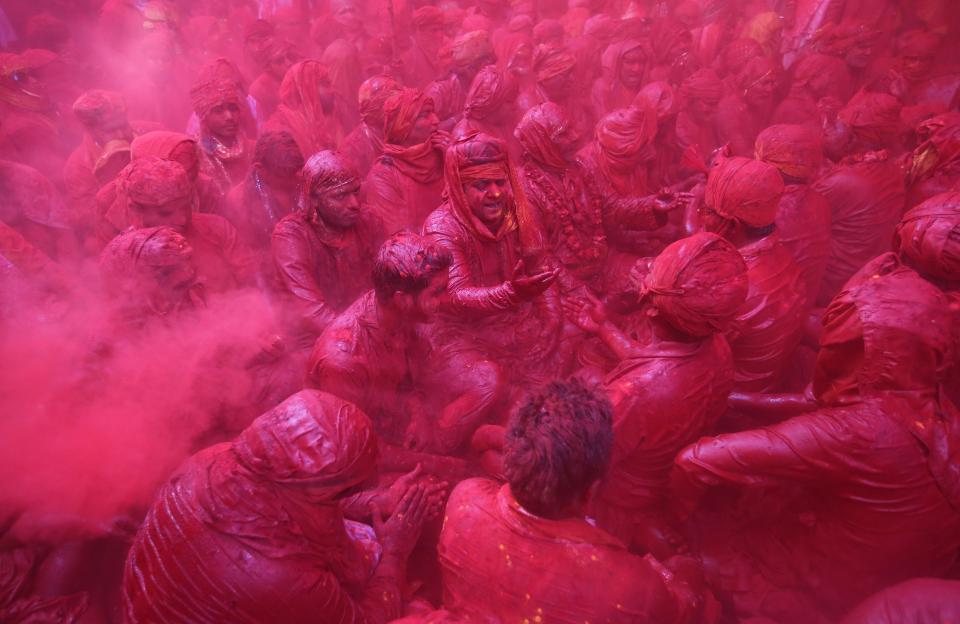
(529, 287)
(399, 533)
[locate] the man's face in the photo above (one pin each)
(175, 214)
(631, 69)
(223, 121)
(278, 65)
(567, 140)
(426, 124)
(339, 208)
(701, 110)
(283, 179)
(487, 200)
(114, 130)
(916, 66)
(432, 298)
(759, 95)
(558, 87)
(176, 279)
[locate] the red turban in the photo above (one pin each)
(622, 134)
(745, 190)
(704, 85)
(796, 150)
(372, 96)
(549, 62)
(313, 441)
(131, 254)
(536, 132)
(471, 47)
(697, 284)
(738, 52)
(207, 95)
(158, 143)
(400, 113)
(490, 91)
(874, 117)
(98, 108)
(658, 96)
(929, 237)
(326, 170)
(940, 146)
(154, 182)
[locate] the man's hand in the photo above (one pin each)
(529, 287)
(388, 499)
(401, 531)
(441, 140)
(589, 313)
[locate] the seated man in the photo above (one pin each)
(323, 252)
(372, 354)
(524, 551)
(159, 192)
(254, 530)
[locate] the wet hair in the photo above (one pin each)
(558, 444)
(405, 263)
(278, 151)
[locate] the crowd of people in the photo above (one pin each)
(585, 311)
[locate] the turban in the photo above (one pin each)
(328, 171)
(796, 150)
(623, 133)
(159, 144)
(471, 47)
(600, 27)
(763, 27)
(918, 43)
(659, 97)
(929, 237)
(940, 146)
(703, 85)
(738, 52)
(154, 182)
(400, 113)
(612, 58)
(547, 30)
(491, 90)
(97, 108)
(478, 157)
(520, 24)
(373, 94)
(312, 440)
(550, 62)
(745, 190)
(124, 259)
(874, 117)
(428, 16)
(536, 132)
(207, 95)
(697, 284)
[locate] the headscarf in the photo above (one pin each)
(342, 59)
(97, 108)
(483, 157)
(659, 97)
(490, 90)
(159, 143)
(762, 28)
(612, 58)
(131, 256)
(314, 442)
(154, 181)
(929, 237)
(704, 85)
(326, 170)
(697, 284)
(11, 91)
(549, 62)
(420, 162)
(301, 110)
(536, 132)
(745, 190)
(796, 150)
(372, 96)
(873, 117)
(621, 136)
(940, 146)
(470, 47)
(219, 82)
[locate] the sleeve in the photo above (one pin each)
(807, 448)
(291, 256)
(465, 293)
(240, 258)
(328, 600)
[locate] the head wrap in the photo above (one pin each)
(471, 47)
(272, 49)
(373, 95)
(763, 27)
(301, 108)
(490, 90)
(154, 181)
(97, 108)
(929, 237)
(537, 132)
(940, 146)
(659, 97)
(342, 59)
(703, 85)
(745, 190)
(918, 43)
(822, 73)
(326, 170)
(208, 94)
(612, 58)
(480, 157)
(421, 162)
(873, 117)
(428, 16)
(622, 134)
(159, 144)
(697, 284)
(737, 53)
(400, 112)
(547, 30)
(314, 442)
(601, 27)
(550, 62)
(130, 256)
(796, 150)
